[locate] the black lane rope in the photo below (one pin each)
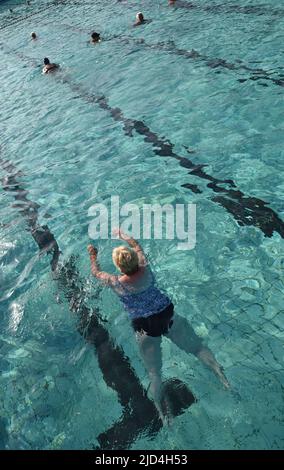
(211, 62)
(169, 46)
(215, 63)
(47, 6)
(37, 12)
(246, 210)
(29, 210)
(216, 9)
(140, 415)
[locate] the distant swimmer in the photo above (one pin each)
(48, 67)
(96, 37)
(33, 35)
(139, 19)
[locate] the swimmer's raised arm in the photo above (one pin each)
(134, 244)
(95, 267)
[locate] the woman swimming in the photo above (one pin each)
(151, 313)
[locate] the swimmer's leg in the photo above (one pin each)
(151, 353)
(184, 336)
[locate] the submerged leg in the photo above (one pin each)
(151, 353)
(184, 336)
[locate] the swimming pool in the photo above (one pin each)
(118, 120)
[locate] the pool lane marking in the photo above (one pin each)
(246, 210)
(215, 9)
(211, 62)
(229, 9)
(48, 6)
(29, 210)
(22, 18)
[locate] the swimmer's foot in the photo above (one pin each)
(166, 410)
(163, 407)
(207, 357)
(219, 371)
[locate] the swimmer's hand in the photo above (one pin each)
(92, 250)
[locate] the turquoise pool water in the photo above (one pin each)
(72, 151)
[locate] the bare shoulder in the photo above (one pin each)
(109, 279)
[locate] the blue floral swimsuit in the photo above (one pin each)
(150, 310)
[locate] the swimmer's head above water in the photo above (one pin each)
(125, 259)
(33, 35)
(48, 67)
(95, 37)
(139, 19)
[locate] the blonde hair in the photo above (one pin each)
(125, 259)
